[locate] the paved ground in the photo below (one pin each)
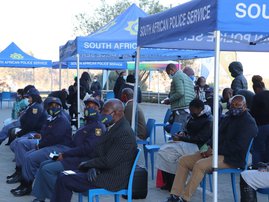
(154, 194)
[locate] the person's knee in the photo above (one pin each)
(201, 166)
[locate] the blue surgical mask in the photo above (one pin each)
(235, 111)
(54, 111)
(106, 119)
(91, 114)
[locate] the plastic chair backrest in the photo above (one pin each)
(110, 95)
(176, 127)
(247, 154)
(150, 129)
(167, 115)
(6, 96)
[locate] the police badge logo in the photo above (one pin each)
(35, 110)
(98, 131)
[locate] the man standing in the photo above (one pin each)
(111, 167)
(233, 145)
(239, 82)
(181, 93)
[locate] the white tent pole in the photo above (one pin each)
(135, 87)
(51, 80)
(78, 91)
(158, 86)
(60, 75)
(216, 117)
(34, 76)
(67, 74)
(107, 80)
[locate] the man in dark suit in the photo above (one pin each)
(111, 167)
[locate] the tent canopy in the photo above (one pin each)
(117, 42)
(243, 26)
(13, 56)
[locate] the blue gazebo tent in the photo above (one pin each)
(13, 56)
(232, 25)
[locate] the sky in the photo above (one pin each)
(41, 26)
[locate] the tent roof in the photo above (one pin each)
(192, 25)
(13, 56)
(117, 42)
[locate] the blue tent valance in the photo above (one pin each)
(13, 56)
(243, 26)
(117, 42)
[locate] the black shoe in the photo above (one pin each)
(37, 200)
(13, 175)
(174, 198)
(17, 188)
(14, 179)
(25, 190)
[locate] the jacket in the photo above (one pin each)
(199, 130)
(84, 143)
(239, 81)
(57, 130)
(181, 91)
(235, 134)
(114, 157)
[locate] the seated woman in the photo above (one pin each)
(196, 133)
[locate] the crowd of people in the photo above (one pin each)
(101, 151)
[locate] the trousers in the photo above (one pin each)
(199, 167)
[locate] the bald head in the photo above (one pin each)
(115, 108)
(128, 93)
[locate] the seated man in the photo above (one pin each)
(233, 145)
(197, 132)
(111, 167)
(127, 98)
(56, 135)
(251, 180)
(85, 140)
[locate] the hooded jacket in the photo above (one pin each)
(239, 81)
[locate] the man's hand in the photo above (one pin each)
(166, 101)
(92, 174)
(83, 166)
(177, 136)
(207, 153)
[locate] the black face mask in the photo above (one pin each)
(194, 115)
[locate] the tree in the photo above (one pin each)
(86, 24)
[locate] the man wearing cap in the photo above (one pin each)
(5, 132)
(239, 82)
(85, 140)
(56, 135)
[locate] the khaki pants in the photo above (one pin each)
(199, 167)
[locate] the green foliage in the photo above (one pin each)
(86, 24)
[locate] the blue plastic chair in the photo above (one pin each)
(110, 95)
(264, 191)
(148, 141)
(96, 192)
(151, 149)
(6, 97)
(231, 171)
(165, 123)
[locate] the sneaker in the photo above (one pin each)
(174, 198)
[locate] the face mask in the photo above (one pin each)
(54, 111)
(194, 115)
(91, 114)
(235, 111)
(94, 80)
(107, 119)
(125, 77)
